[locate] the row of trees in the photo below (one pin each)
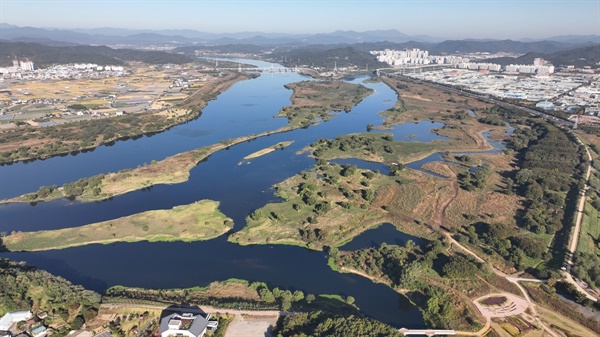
(551, 164)
(319, 324)
(514, 246)
(270, 298)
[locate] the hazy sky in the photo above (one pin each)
(439, 18)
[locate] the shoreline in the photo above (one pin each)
(199, 221)
(145, 177)
(218, 88)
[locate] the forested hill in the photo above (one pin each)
(328, 58)
(579, 57)
(43, 55)
(23, 287)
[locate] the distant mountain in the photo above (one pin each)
(580, 57)
(569, 39)
(463, 46)
(44, 56)
(376, 39)
(112, 36)
(46, 42)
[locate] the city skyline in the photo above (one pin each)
(446, 19)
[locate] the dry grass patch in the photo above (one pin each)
(564, 323)
(259, 153)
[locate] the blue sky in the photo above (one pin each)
(440, 18)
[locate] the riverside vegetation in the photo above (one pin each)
(332, 203)
(315, 202)
(38, 143)
(175, 169)
(234, 294)
(431, 275)
(24, 287)
(587, 257)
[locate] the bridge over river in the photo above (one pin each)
(427, 332)
(259, 69)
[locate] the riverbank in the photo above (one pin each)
(201, 220)
(175, 169)
(232, 295)
(32, 143)
(331, 204)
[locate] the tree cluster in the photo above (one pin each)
(23, 287)
(475, 178)
(587, 267)
(319, 324)
(551, 164)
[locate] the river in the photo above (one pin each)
(246, 108)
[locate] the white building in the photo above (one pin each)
(413, 57)
(183, 325)
(12, 317)
(529, 69)
(546, 105)
(26, 65)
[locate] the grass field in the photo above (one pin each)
(590, 230)
(198, 221)
(421, 102)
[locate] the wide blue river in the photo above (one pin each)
(247, 108)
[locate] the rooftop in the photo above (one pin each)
(180, 321)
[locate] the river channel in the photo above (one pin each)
(246, 108)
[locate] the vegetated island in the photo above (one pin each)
(175, 169)
(260, 153)
(201, 220)
(314, 100)
(331, 204)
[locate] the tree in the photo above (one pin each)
(89, 314)
(310, 298)
(297, 296)
(266, 295)
(77, 322)
(459, 267)
(350, 300)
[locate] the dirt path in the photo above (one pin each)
(206, 309)
(440, 213)
(574, 237)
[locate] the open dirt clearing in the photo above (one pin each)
(251, 326)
